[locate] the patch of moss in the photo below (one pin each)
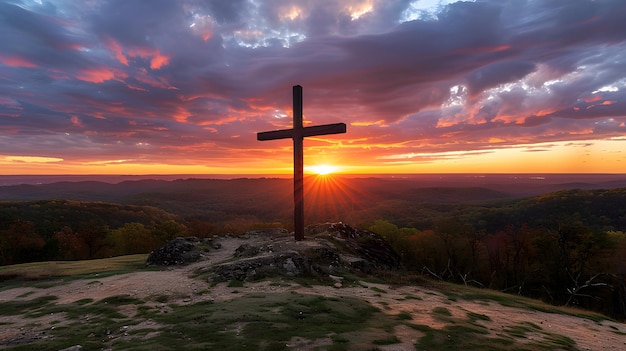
(14, 308)
(442, 311)
(235, 284)
(387, 341)
(477, 316)
(240, 324)
(84, 301)
(378, 290)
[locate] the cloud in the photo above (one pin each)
(172, 80)
(497, 73)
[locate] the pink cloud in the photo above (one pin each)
(96, 75)
(143, 76)
(76, 121)
(7, 101)
(16, 61)
(117, 50)
(157, 59)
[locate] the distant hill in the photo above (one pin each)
(334, 198)
(270, 199)
(598, 209)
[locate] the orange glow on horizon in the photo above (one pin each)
(323, 169)
(582, 156)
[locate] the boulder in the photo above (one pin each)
(254, 268)
(73, 348)
(179, 251)
(369, 250)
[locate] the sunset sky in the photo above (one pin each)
(424, 86)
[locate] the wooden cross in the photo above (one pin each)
(298, 133)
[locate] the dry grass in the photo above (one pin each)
(52, 269)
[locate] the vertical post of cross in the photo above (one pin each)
(298, 164)
(298, 133)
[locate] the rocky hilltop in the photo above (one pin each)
(328, 250)
(339, 289)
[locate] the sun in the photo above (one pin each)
(323, 169)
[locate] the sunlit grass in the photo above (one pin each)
(461, 292)
(51, 269)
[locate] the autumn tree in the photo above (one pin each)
(20, 243)
(71, 246)
(510, 254)
(94, 236)
(461, 244)
(200, 228)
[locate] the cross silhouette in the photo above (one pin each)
(298, 133)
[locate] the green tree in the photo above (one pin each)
(426, 254)
(132, 238)
(168, 230)
(398, 238)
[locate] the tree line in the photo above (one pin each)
(72, 230)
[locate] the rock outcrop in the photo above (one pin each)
(329, 250)
(179, 251)
(369, 250)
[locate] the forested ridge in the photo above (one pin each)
(64, 229)
(566, 247)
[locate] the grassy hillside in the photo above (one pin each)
(112, 304)
(42, 271)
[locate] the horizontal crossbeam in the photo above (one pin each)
(335, 128)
